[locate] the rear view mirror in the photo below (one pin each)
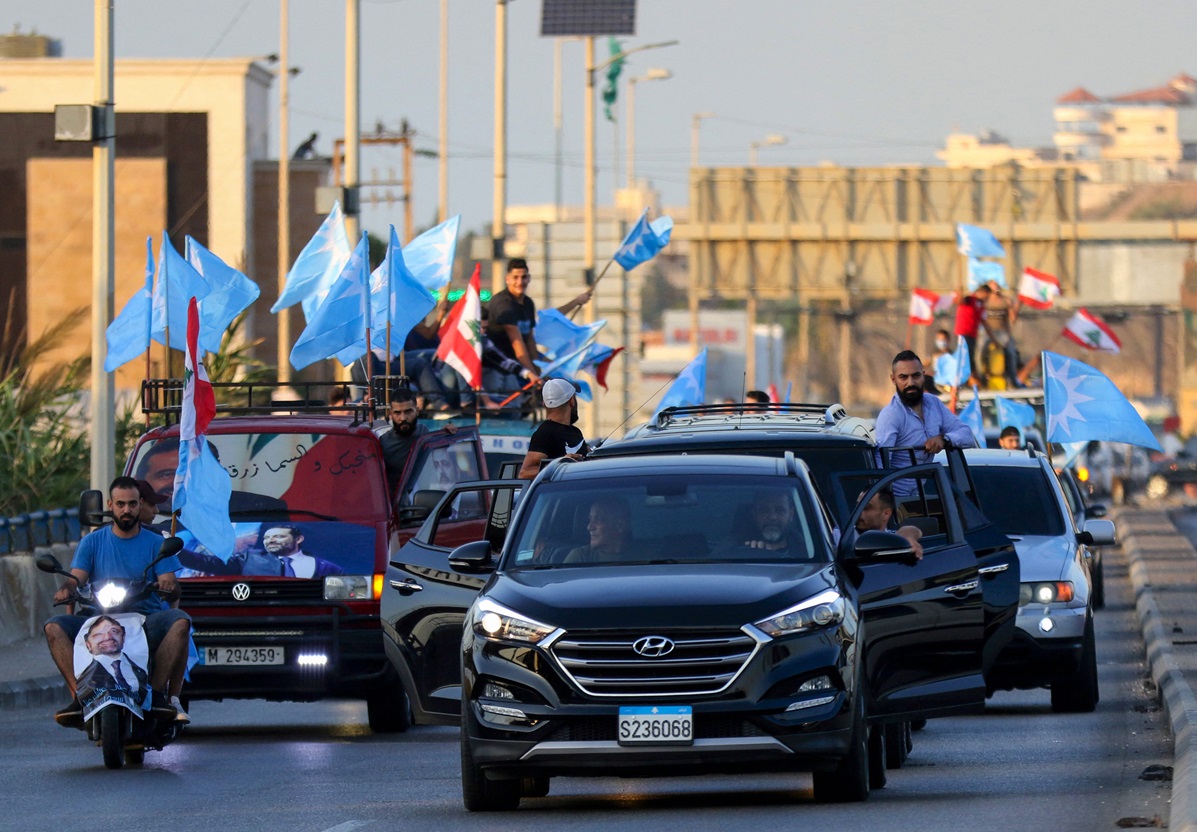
(48, 563)
(472, 556)
(882, 547)
(422, 504)
(1097, 532)
(91, 508)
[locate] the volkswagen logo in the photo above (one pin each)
(653, 647)
(240, 591)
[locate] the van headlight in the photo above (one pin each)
(348, 588)
(822, 610)
(497, 623)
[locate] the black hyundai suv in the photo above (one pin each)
(697, 643)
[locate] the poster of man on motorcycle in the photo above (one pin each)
(111, 657)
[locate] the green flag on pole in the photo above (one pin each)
(611, 91)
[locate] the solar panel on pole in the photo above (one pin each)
(585, 18)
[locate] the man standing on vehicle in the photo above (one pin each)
(125, 550)
(556, 436)
(405, 430)
(914, 419)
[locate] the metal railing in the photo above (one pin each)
(25, 532)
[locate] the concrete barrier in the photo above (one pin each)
(27, 593)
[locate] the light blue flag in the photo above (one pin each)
(1010, 412)
(128, 336)
(1081, 403)
(971, 416)
(1072, 452)
(558, 336)
(690, 386)
(396, 296)
(338, 327)
(954, 369)
(981, 272)
(317, 266)
(977, 242)
(569, 367)
(202, 491)
(789, 390)
(177, 284)
(232, 293)
(643, 241)
(429, 257)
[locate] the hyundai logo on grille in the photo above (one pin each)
(653, 647)
(240, 591)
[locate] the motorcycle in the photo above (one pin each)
(112, 663)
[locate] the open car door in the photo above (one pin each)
(424, 599)
(924, 620)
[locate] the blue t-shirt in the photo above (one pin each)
(103, 555)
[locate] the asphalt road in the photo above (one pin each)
(309, 768)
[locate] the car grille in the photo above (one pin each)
(706, 726)
(218, 593)
(701, 662)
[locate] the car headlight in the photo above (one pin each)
(348, 588)
(497, 623)
(1045, 592)
(109, 595)
(822, 610)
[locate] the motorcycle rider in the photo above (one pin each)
(124, 549)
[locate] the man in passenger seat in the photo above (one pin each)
(878, 515)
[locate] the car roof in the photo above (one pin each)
(287, 423)
(980, 457)
(680, 465)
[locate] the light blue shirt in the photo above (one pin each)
(898, 426)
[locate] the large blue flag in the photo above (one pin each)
(177, 284)
(977, 242)
(395, 296)
(1010, 412)
(569, 367)
(129, 335)
(690, 386)
(317, 266)
(558, 336)
(232, 293)
(1081, 403)
(429, 257)
(981, 272)
(644, 241)
(954, 369)
(338, 328)
(971, 415)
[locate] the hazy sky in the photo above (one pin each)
(858, 83)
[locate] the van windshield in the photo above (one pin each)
(659, 519)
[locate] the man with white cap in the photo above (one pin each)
(556, 436)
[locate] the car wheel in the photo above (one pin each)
(848, 782)
(1099, 586)
(918, 724)
(897, 744)
(1157, 487)
(878, 756)
(534, 787)
(387, 707)
(480, 794)
(1079, 693)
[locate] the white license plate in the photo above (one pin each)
(656, 725)
(243, 655)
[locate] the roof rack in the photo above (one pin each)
(164, 397)
(830, 413)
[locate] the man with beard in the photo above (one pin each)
(280, 556)
(556, 437)
(773, 524)
(125, 550)
(405, 430)
(914, 419)
(111, 667)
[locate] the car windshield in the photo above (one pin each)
(1018, 500)
(667, 520)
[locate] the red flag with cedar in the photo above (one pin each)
(461, 336)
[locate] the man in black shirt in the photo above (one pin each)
(556, 437)
(405, 430)
(513, 317)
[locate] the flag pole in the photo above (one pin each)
(593, 286)
(909, 331)
(517, 393)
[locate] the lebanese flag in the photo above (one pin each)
(925, 305)
(461, 336)
(599, 368)
(1038, 290)
(774, 396)
(199, 402)
(1091, 333)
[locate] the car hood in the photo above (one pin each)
(659, 595)
(1044, 558)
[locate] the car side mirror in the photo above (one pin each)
(882, 547)
(472, 557)
(1095, 511)
(1097, 533)
(91, 508)
(412, 515)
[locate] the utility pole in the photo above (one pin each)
(352, 119)
(284, 196)
(499, 226)
(103, 424)
(442, 212)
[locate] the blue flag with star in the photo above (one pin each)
(643, 241)
(977, 242)
(1010, 412)
(396, 298)
(317, 266)
(690, 386)
(1081, 404)
(429, 256)
(971, 415)
(338, 327)
(982, 272)
(128, 336)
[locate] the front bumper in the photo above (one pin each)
(1047, 645)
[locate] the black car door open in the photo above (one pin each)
(424, 599)
(923, 620)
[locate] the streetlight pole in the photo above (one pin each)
(103, 426)
(654, 74)
(284, 195)
(769, 141)
(442, 212)
(352, 118)
(695, 122)
(499, 227)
